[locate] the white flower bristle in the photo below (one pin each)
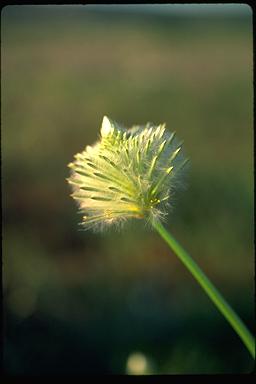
(106, 127)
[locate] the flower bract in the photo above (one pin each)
(128, 173)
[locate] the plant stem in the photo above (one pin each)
(209, 288)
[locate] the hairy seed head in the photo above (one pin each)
(126, 174)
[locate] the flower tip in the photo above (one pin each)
(89, 149)
(106, 127)
(168, 170)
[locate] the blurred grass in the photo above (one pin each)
(80, 302)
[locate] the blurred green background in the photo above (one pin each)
(120, 302)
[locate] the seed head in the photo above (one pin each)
(126, 174)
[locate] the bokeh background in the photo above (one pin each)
(120, 302)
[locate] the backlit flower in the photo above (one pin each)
(126, 174)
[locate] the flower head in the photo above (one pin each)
(126, 174)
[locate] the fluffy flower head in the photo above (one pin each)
(126, 174)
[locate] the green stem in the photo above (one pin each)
(209, 288)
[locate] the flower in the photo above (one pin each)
(126, 174)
